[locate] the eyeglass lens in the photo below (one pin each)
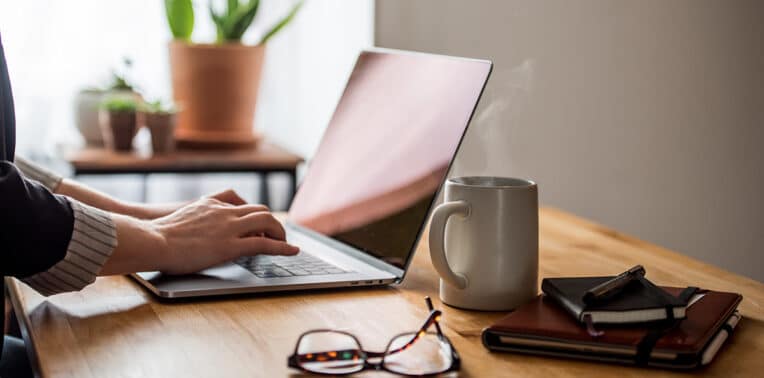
(329, 352)
(429, 354)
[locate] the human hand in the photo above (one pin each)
(209, 231)
(228, 196)
(154, 211)
(204, 233)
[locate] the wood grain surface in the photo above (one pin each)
(114, 328)
(264, 157)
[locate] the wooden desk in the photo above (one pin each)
(266, 158)
(115, 328)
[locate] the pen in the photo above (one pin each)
(611, 287)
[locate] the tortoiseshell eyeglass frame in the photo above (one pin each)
(296, 360)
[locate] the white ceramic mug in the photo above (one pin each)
(484, 242)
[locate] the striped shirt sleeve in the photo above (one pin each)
(93, 240)
(32, 171)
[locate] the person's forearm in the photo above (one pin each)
(103, 201)
(92, 197)
(140, 248)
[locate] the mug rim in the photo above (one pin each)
(463, 181)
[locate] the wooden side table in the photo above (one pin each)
(265, 159)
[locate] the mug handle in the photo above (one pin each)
(437, 244)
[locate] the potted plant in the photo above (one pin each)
(160, 118)
(87, 103)
(216, 84)
(117, 119)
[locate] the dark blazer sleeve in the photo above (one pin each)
(7, 113)
(35, 225)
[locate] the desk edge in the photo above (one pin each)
(24, 325)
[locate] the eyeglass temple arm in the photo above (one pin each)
(432, 319)
(431, 308)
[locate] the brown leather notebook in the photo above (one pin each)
(543, 327)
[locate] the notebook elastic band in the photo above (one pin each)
(646, 345)
(687, 293)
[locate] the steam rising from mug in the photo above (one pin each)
(484, 150)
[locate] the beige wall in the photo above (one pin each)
(647, 116)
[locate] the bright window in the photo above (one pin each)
(54, 48)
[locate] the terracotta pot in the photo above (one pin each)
(86, 113)
(162, 128)
(216, 89)
(118, 129)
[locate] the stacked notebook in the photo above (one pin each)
(638, 302)
(638, 327)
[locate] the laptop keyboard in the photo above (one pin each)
(302, 264)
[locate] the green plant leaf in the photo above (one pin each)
(219, 22)
(280, 25)
(232, 6)
(243, 20)
(120, 78)
(119, 103)
(180, 17)
(234, 21)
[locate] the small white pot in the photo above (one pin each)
(86, 105)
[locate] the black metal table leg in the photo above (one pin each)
(292, 189)
(265, 196)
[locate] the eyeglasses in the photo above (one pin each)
(420, 353)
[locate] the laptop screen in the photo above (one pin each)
(387, 150)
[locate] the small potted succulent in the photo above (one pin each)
(118, 121)
(160, 118)
(88, 100)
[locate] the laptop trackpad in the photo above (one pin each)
(225, 275)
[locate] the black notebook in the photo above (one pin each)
(640, 301)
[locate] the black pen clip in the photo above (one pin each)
(614, 286)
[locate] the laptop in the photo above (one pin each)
(366, 195)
